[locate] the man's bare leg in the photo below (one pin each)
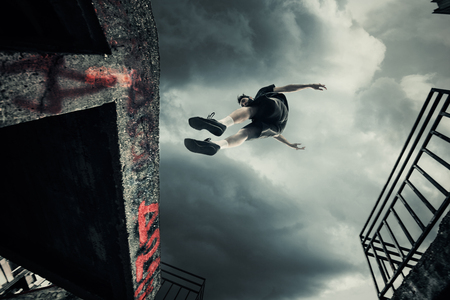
(242, 114)
(209, 147)
(237, 139)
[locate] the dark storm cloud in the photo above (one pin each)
(238, 230)
(221, 40)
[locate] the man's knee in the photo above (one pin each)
(249, 132)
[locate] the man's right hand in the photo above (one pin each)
(296, 146)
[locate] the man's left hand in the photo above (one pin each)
(318, 86)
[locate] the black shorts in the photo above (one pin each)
(270, 119)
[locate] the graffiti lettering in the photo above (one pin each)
(154, 265)
(143, 258)
(144, 227)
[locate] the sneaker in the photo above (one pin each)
(203, 147)
(209, 124)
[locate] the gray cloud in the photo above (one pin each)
(238, 230)
(384, 107)
(217, 42)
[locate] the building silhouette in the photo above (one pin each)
(443, 7)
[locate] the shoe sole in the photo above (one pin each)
(201, 123)
(200, 147)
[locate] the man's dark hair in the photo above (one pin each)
(242, 96)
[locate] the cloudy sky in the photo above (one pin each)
(263, 221)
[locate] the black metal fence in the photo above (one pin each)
(178, 284)
(415, 197)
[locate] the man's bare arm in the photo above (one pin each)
(285, 141)
(298, 87)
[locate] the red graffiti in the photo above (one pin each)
(144, 229)
(143, 258)
(108, 77)
(154, 265)
(53, 68)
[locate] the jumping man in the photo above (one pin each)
(268, 112)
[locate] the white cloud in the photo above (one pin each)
(292, 36)
(417, 87)
(343, 284)
(360, 10)
(400, 21)
(351, 54)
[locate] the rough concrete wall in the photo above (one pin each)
(63, 199)
(35, 86)
(430, 278)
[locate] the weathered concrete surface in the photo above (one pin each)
(53, 293)
(37, 86)
(430, 278)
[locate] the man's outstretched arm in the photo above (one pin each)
(298, 87)
(285, 141)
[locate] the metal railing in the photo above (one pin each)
(400, 225)
(9, 276)
(179, 284)
(176, 284)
